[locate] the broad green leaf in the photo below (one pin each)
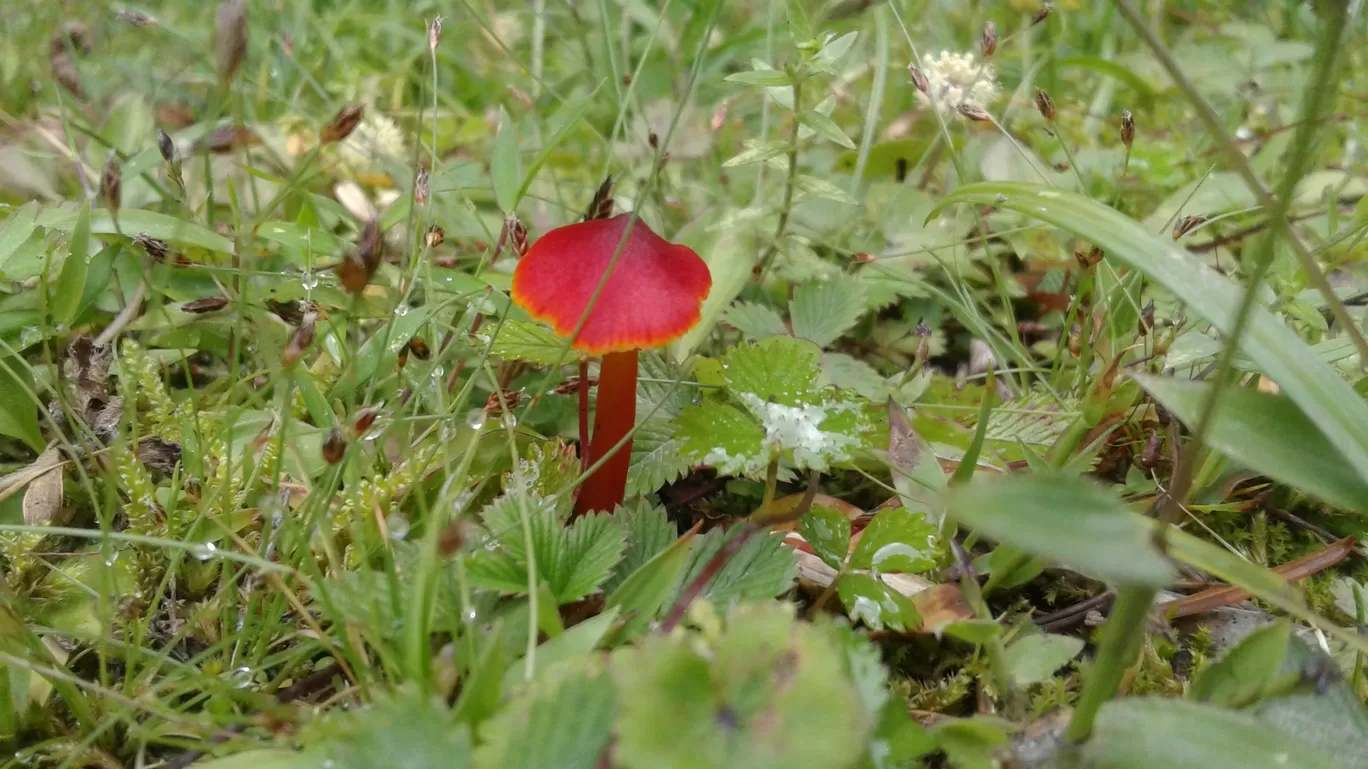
(896, 541)
(562, 720)
(525, 340)
(641, 595)
(761, 77)
(849, 373)
(763, 568)
(758, 152)
(684, 705)
(821, 188)
(823, 311)
(18, 411)
(1035, 658)
(1269, 434)
(301, 240)
(657, 456)
(404, 731)
(723, 437)
(578, 641)
(781, 368)
(798, 21)
(972, 743)
(826, 128)
(1068, 520)
(869, 599)
(1327, 400)
(1145, 733)
(648, 532)
(1326, 715)
(1246, 670)
(755, 320)
(136, 222)
(70, 286)
(16, 229)
(827, 531)
(507, 165)
(836, 48)
(975, 631)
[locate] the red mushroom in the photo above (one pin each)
(652, 297)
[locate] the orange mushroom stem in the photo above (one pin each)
(652, 297)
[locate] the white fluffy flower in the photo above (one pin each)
(377, 137)
(955, 79)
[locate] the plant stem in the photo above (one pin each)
(614, 415)
(1121, 639)
(771, 483)
(789, 185)
(993, 647)
(584, 413)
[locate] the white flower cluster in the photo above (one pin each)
(375, 138)
(957, 80)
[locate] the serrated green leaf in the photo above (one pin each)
(781, 368)
(1194, 736)
(896, 541)
(758, 152)
(853, 374)
(1071, 521)
(809, 715)
(657, 457)
(1244, 672)
(574, 560)
(870, 600)
(827, 531)
(1035, 658)
(1269, 434)
(507, 165)
(824, 310)
(762, 569)
(563, 720)
(721, 436)
(405, 731)
(644, 591)
(826, 128)
(1317, 389)
(647, 531)
(821, 188)
(18, 411)
(755, 320)
(70, 286)
(531, 342)
(768, 78)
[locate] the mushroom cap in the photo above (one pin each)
(653, 296)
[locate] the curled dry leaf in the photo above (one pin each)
(343, 123)
(207, 304)
(1298, 569)
(43, 499)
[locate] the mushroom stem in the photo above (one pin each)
(614, 415)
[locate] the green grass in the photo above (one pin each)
(326, 520)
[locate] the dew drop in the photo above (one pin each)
(398, 526)
(401, 310)
(309, 281)
(112, 558)
(241, 678)
(438, 372)
(470, 615)
(476, 418)
(510, 421)
(204, 550)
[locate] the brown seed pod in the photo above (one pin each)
(230, 39)
(1042, 14)
(435, 236)
(357, 268)
(421, 190)
(973, 112)
(155, 248)
(517, 235)
(1088, 259)
(419, 348)
(334, 446)
(303, 337)
(207, 304)
(1045, 105)
(111, 183)
(365, 418)
(434, 34)
(919, 79)
(1127, 128)
(165, 146)
(1187, 224)
(343, 123)
(601, 207)
(988, 42)
(229, 138)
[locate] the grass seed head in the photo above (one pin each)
(111, 183)
(1127, 128)
(343, 123)
(1045, 105)
(989, 41)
